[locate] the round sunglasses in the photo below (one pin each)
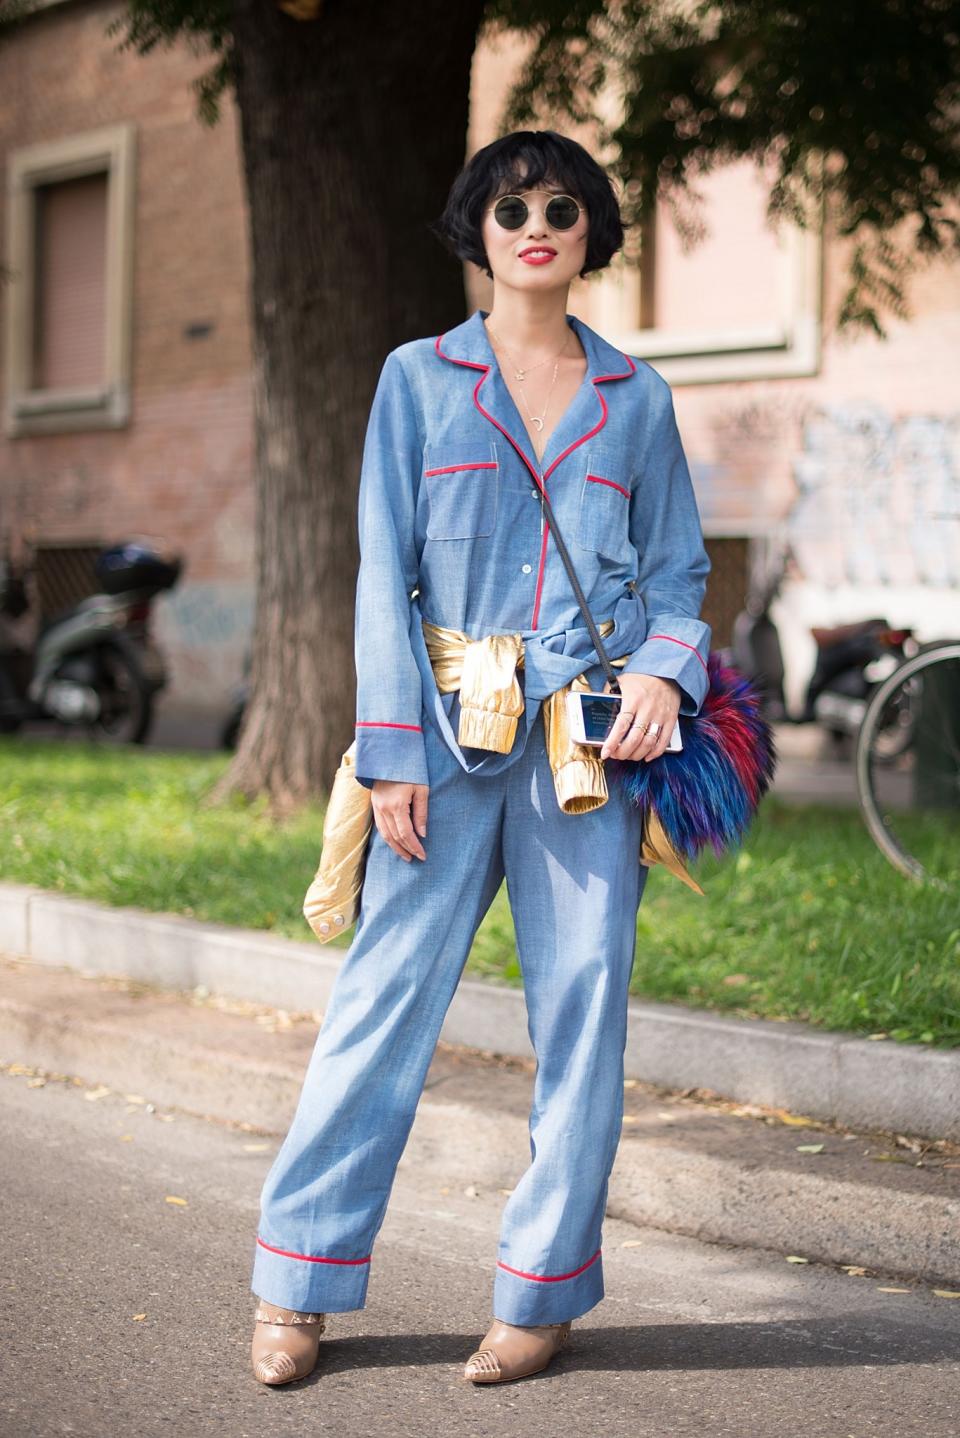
(561, 213)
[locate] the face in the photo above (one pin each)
(536, 256)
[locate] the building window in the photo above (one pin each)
(743, 302)
(69, 242)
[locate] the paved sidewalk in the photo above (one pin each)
(883, 1084)
(808, 770)
(126, 1251)
(689, 1163)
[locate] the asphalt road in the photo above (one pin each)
(124, 1313)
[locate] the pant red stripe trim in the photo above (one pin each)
(549, 1277)
(309, 1257)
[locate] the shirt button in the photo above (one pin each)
(534, 493)
(526, 568)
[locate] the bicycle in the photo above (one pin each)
(908, 766)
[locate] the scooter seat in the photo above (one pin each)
(841, 632)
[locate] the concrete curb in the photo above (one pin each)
(883, 1085)
(673, 1184)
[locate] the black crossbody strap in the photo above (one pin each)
(602, 654)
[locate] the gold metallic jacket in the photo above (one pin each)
(491, 703)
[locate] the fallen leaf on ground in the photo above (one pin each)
(94, 1093)
(632, 1243)
(795, 1258)
(809, 1148)
(854, 1270)
(797, 1120)
(36, 1082)
(255, 1147)
(138, 1316)
(172, 1198)
(947, 1292)
(125, 1137)
(893, 1290)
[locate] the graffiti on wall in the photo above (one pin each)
(204, 629)
(878, 498)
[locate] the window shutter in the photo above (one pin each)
(70, 314)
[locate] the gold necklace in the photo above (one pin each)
(538, 419)
(520, 372)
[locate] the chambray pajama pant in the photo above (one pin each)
(574, 883)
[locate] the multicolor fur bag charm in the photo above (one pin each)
(709, 792)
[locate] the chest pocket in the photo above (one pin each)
(463, 485)
(603, 519)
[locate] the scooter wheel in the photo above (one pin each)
(126, 699)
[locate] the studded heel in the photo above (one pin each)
(510, 1350)
(285, 1343)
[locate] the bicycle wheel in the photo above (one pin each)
(908, 766)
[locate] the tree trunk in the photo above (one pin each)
(352, 129)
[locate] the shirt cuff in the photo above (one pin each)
(667, 656)
(389, 750)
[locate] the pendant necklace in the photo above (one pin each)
(520, 373)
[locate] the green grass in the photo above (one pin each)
(807, 921)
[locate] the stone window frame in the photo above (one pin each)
(108, 150)
(790, 347)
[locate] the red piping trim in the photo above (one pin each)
(449, 468)
(597, 379)
(598, 479)
(679, 641)
(549, 1277)
(309, 1257)
(385, 724)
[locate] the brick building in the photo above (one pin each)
(126, 363)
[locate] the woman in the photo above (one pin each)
(467, 633)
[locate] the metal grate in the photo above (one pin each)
(63, 575)
(727, 585)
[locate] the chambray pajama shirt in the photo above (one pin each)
(450, 531)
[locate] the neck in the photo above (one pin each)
(530, 324)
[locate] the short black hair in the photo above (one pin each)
(527, 159)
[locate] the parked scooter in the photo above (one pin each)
(851, 660)
(93, 666)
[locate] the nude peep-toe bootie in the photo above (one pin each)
(285, 1342)
(510, 1350)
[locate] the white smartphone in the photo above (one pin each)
(591, 718)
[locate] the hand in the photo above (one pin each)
(646, 699)
(393, 802)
